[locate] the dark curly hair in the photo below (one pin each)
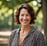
(30, 11)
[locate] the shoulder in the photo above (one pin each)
(36, 31)
(11, 37)
(38, 34)
(40, 38)
(13, 32)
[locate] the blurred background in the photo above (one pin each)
(7, 12)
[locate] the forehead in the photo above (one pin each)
(23, 10)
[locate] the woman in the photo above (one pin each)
(26, 35)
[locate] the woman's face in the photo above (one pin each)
(24, 17)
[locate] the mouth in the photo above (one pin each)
(25, 21)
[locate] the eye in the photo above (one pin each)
(22, 14)
(27, 15)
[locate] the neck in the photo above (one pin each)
(25, 28)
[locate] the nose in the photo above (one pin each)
(24, 17)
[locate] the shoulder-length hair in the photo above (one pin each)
(30, 11)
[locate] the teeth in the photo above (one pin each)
(24, 21)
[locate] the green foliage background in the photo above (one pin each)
(6, 10)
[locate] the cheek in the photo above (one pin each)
(29, 18)
(20, 18)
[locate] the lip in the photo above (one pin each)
(24, 21)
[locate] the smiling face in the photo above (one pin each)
(24, 17)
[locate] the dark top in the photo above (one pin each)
(34, 38)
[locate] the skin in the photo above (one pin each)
(24, 19)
